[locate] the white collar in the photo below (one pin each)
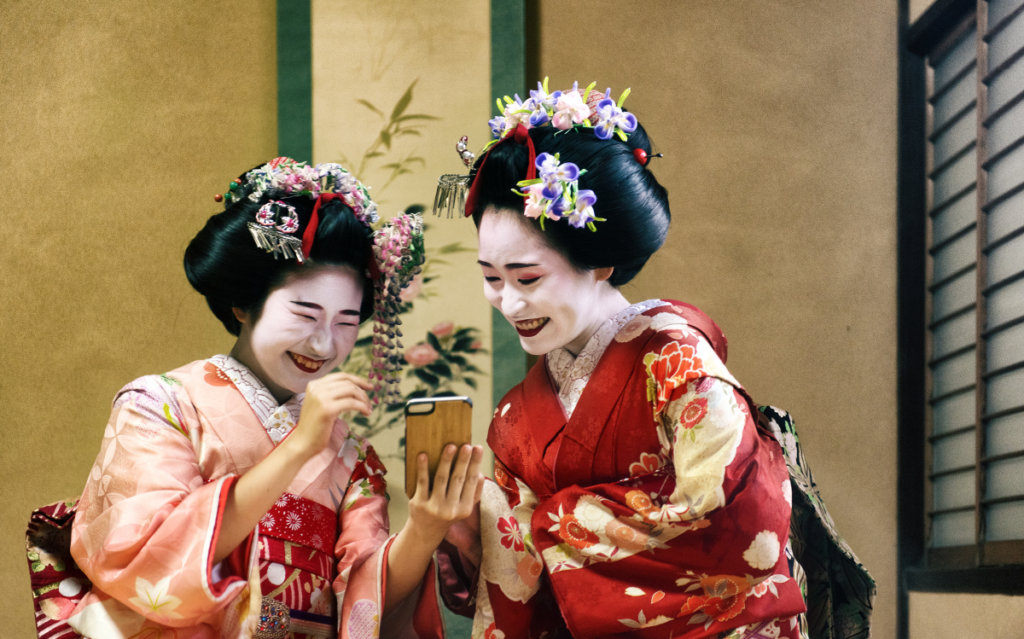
(278, 420)
(571, 374)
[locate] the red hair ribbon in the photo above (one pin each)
(314, 221)
(521, 135)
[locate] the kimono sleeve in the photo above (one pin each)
(362, 552)
(704, 422)
(148, 521)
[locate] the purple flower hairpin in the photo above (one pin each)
(555, 194)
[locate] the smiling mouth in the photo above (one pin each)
(305, 364)
(529, 328)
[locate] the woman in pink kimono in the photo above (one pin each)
(639, 491)
(228, 498)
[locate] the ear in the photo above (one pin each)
(602, 274)
(240, 315)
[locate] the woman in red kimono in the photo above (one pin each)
(228, 499)
(639, 491)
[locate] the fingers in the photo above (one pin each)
(458, 476)
(422, 478)
(346, 377)
(443, 470)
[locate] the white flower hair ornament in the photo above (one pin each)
(551, 187)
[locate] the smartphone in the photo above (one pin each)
(431, 423)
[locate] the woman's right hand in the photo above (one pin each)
(326, 398)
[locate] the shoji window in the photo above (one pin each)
(976, 290)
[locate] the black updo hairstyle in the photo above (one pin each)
(224, 264)
(634, 205)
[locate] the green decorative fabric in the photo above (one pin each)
(840, 593)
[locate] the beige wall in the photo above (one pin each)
(118, 122)
(778, 125)
(430, 42)
(939, 616)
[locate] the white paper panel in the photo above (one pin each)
(959, 95)
(951, 491)
(953, 412)
(1006, 303)
(1005, 478)
(1006, 217)
(1005, 391)
(1007, 128)
(954, 178)
(999, 9)
(1005, 521)
(1006, 260)
(1005, 435)
(953, 452)
(1005, 86)
(1006, 42)
(954, 256)
(962, 54)
(953, 529)
(954, 218)
(954, 139)
(1006, 173)
(954, 295)
(953, 373)
(953, 334)
(1005, 348)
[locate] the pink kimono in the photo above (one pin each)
(148, 522)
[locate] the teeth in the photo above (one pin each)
(307, 362)
(531, 324)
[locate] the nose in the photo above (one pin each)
(512, 302)
(320, 342)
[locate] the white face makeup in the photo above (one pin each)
(307, 328)
(550, 303)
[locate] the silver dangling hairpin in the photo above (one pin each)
(451, 188)
(274, 228)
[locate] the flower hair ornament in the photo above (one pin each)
(550, 188)
(399, 255)
(397, 247)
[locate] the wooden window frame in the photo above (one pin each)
(985, 567)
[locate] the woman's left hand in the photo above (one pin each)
(455, 494)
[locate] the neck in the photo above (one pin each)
(609, 304)
(242, 352)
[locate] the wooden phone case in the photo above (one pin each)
(432, 423)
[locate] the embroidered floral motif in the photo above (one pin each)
(215, 376)
(648, 464)
(156, 599)
(670, 369)
(572, 531)
(511, 538)
(763, 552)
(724, 597)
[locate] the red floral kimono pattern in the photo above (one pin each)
(659, 509)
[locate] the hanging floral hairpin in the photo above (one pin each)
(555, 194)
(399, 254)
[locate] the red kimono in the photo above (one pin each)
(636, 494)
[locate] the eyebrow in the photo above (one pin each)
(320, 308)
(511, 266)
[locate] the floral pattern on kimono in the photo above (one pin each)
(148, 521)
(635, 493)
